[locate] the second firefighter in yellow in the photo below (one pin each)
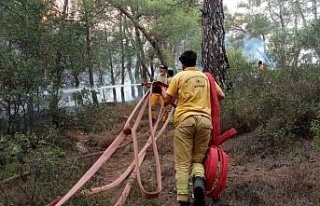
(156, 97)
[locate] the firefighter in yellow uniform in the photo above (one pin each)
(156, 96)
(192, 119)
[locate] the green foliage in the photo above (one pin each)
(37, 48)
(287, 28)
(43, 49)
(315, 130)
(169, 22)
(82, 97)
(91, 119)
(311, 37)
(264, 102)
(237, 60)
(181, 25)
(52, 169)
(19, 147)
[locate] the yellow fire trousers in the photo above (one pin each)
(155, 99)
(191, 139)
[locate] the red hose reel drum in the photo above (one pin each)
(216, 165)
(216, 171)
(216, 161)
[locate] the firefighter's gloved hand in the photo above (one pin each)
(157, 87)
(146, 84)
(160, 84)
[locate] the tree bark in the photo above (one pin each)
(88, 50)
(140, 71)
(131, 77)
(113, 81)
(138, 77)
(315, 9)
(214, 58)
(122, 39)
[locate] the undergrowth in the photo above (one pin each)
(278, 108)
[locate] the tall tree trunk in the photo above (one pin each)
(315, 9)
(113, 80)
(137, 75)
(75, 74)
(89, 57)
(264, 43)
(142, 72)
(141, 57)
(296, 48)
(300, 11)
(151, 57)
(122, 39)
(112, 76)
(130, 73)
(214, 57)
(57, 79)
(131, 77)
(101, 74)
(277, 13)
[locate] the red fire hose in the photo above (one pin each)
(134, 169)
(215, 154)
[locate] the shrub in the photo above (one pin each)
(91, 119)
(315, 130)
(280, 104)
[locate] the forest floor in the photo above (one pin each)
(259, 173)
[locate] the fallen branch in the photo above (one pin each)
(15, 177)
(100, 152)
(89, 155)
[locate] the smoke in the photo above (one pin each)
(256, 49)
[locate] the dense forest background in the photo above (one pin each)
(48, 47)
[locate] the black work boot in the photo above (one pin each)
(184, 203)
(199, 191)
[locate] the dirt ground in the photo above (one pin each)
(258, 175)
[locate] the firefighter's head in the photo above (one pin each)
(163, 69)
(170, 73)
(188, 59)
(261, 65)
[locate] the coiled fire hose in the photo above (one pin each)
(215, 173)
